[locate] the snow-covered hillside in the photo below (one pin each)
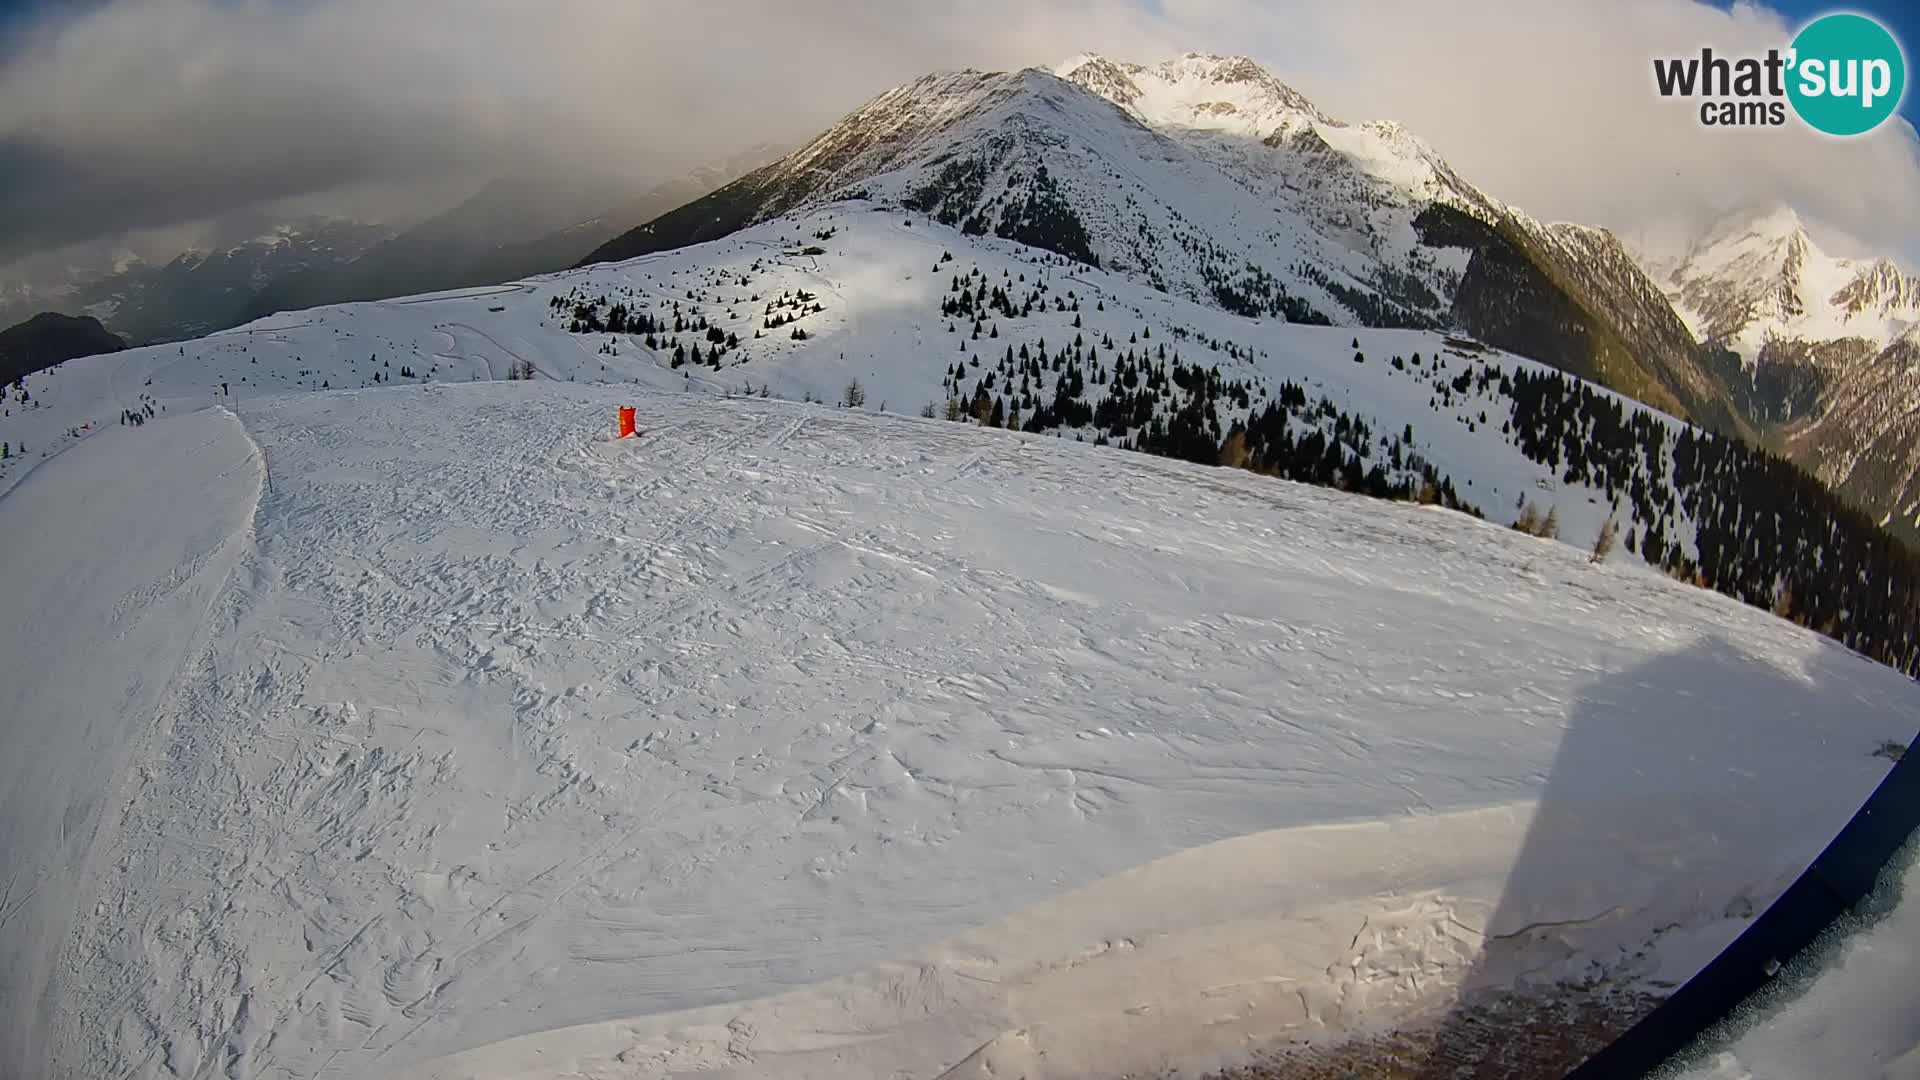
(369, 727)
(1207, 178)
(1255, 210)
(848, 293)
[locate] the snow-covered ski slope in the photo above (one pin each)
(878, 280)
(383, 725)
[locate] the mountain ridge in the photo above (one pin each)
(1208, 178)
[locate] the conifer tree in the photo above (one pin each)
(1604, 540)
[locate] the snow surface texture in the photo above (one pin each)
(1847, 1009)
(781, 728)
(110, 573)
(879, 280)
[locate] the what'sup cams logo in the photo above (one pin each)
(1844, 74)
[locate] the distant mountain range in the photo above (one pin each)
(193, 293)
(1821, 354)
(509, 229)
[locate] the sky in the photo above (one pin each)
(121, 115)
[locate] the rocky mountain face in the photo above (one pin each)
(1209, 179)
(1817, 351)
(48, 339)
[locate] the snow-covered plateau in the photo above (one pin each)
(370, 714)
(354, 733)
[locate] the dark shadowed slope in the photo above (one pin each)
(51, 338)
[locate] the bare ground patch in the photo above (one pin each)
(1497, 1036)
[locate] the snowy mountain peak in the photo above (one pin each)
(1196, 90)
(1757, 276)
(1217, 103)
(1772, 242)
(1218, 70)
(1776, 223)
(1108, 78)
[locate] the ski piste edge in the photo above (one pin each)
(1834, 884)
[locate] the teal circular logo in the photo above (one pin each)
(1847, 74)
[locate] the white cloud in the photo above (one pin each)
(145, 112)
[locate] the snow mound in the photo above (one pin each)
(117, 558)
(1185, 960)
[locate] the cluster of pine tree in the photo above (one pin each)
(953, 194)
(790, 307)
(662, 331)
(1322, 444)
(1372, 308)
(1764, 531)
(1142, 396)
(1255, 293)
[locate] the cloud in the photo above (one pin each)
(138, 114)
(141, 113)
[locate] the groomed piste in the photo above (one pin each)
(430, 731)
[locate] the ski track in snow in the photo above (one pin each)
(499, 726)
(110, 590)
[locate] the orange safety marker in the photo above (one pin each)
(625, 427)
